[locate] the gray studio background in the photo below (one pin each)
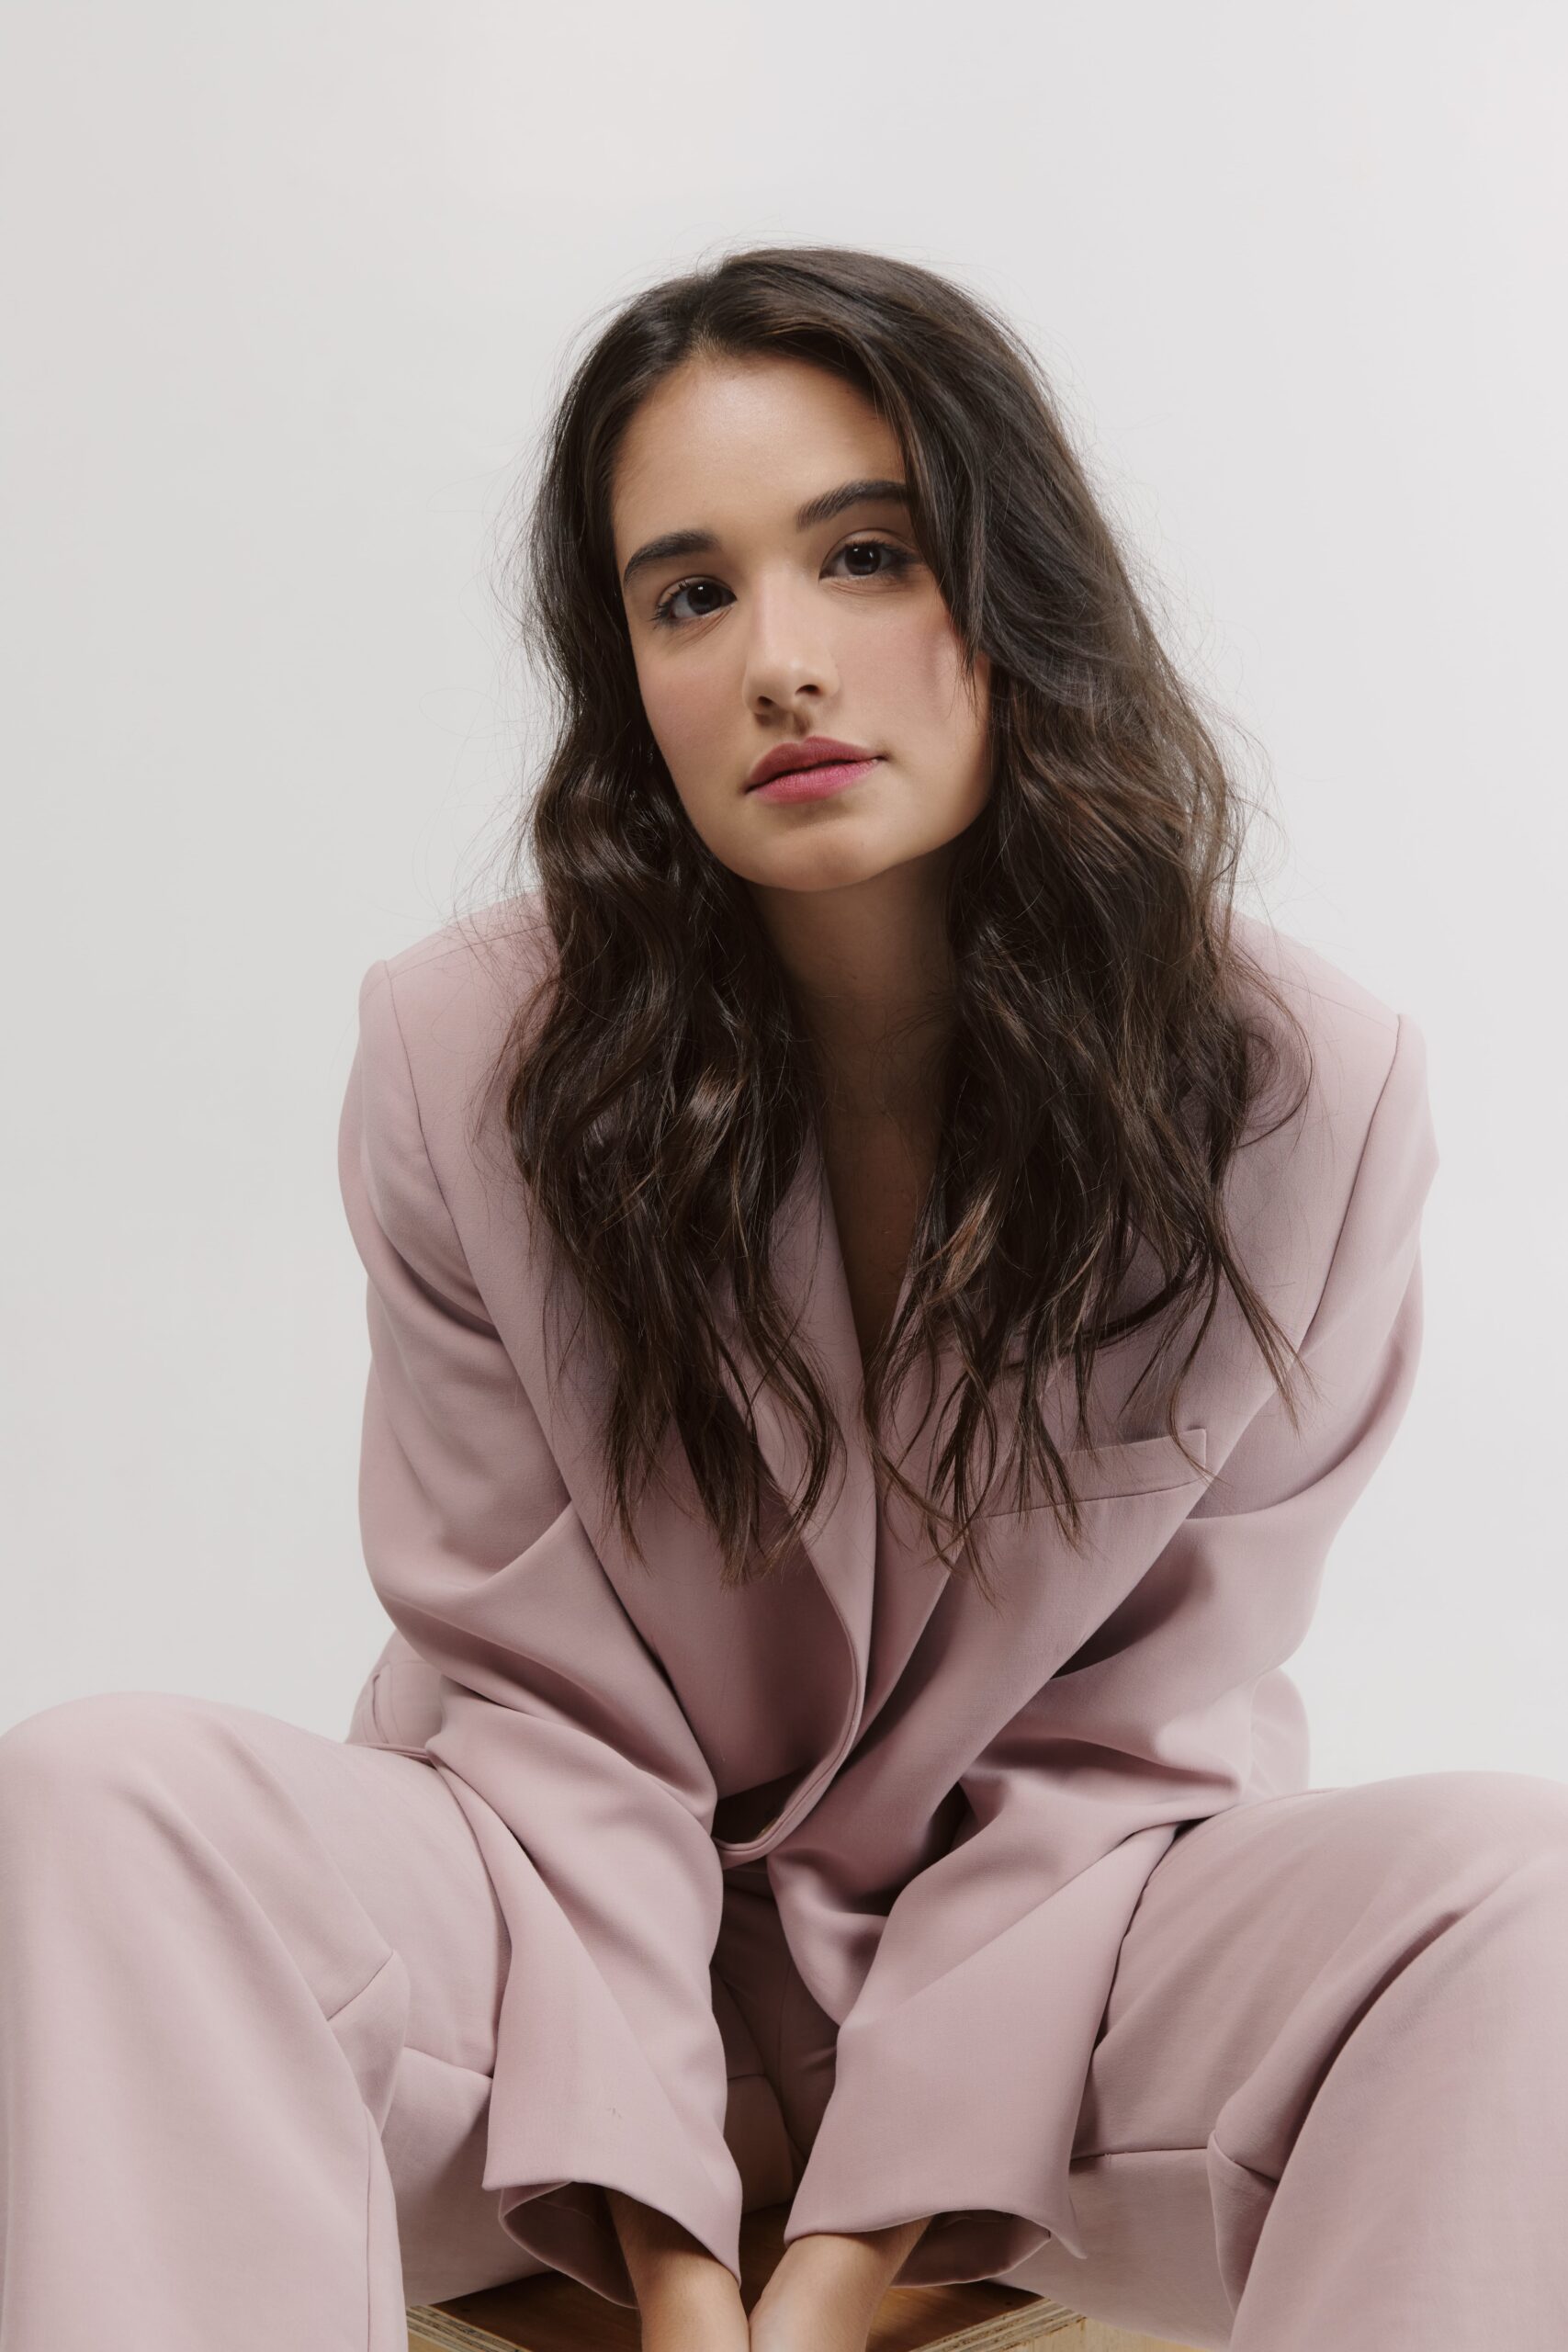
(289, 290)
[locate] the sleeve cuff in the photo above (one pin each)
(578, 2106)
(938, 2110)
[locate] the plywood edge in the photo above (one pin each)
(436, 2331)
(1011, 2331)
(1043, 2323)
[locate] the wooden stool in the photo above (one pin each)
(551, 2313)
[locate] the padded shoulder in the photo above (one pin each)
(1352, 1031)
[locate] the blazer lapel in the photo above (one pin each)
(839, 1536)
(883, 1578)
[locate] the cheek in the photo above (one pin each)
(923, 666)
(681, 715)
(939, 713)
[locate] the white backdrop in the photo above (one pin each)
(290, 290)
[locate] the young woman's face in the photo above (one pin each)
(777, 629)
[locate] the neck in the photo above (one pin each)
(870, 968)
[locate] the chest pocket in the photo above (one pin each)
(1141, 1465)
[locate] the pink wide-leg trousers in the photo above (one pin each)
(249, 1978)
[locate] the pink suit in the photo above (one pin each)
(843, 1889)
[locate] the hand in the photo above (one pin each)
(825, 2289)
(695, 2315)
(687, 2300)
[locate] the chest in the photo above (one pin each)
(878, 1175)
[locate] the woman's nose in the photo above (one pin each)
(788, 650)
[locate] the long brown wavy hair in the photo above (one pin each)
(659, 1085)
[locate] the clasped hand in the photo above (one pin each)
(822, 2295)
(824, 2292)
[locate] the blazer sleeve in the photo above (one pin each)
(560, 1737)
(962, 2064)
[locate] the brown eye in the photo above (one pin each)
(897, 560)
(663, 612)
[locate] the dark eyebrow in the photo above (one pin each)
(869, 492)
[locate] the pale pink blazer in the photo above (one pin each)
(959, 1808)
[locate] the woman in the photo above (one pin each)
(882, 1286)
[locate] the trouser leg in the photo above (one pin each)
(249, 1978)
(1330, 2101)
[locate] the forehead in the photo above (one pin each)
(742, 439)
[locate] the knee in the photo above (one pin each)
(63, 1763)
(1487, 1822)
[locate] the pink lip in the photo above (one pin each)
(812, 784)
